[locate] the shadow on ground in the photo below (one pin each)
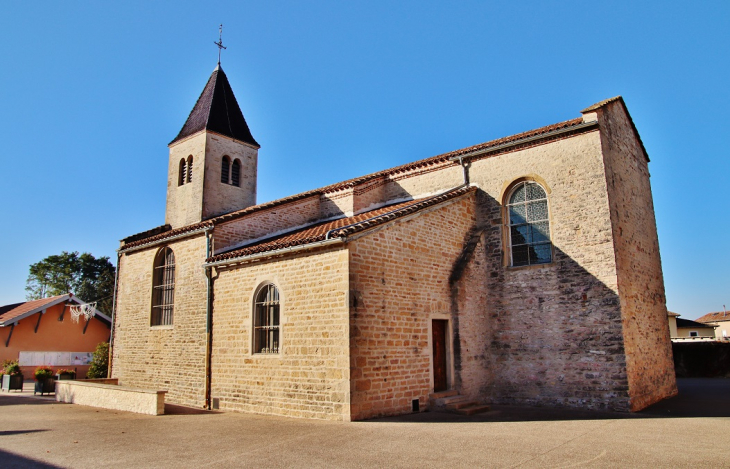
(12, 461)
(698, 397)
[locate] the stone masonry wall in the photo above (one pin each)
(265, 222)
(640, 280)
(310, 376)
(547, 334)
(184, 203)
(168, 358)
(218, 197)
(399, 282)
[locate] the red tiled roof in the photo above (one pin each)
(443, 159)
(168, 234)
(13, 311)
(714, 317)
(341, 227)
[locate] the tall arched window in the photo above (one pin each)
(529, 225)
(163, 288)
(266, 320)
(181, 173)
(225, 169)
(236, 173)
(190, 168)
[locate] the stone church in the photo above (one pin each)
(523, 270)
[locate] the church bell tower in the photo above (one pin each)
(213, 160)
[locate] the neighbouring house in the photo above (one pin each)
(672, 319)
(721, 321)
(693, 330)
(524, 270)
(43, 332)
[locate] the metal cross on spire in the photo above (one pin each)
(220, 43)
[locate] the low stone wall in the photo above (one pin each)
(105, 393)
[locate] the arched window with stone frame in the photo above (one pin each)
(266, 320)
(528, 224)
(163, 288)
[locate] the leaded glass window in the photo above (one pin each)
(266, 320)
(529, 226)
(163, 288)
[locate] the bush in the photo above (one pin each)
(43, 372)
(10, 367)
(99, 365)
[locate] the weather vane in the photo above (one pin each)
(220, 43)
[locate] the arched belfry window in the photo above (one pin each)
(190, 168)
(236, 173)
(163, 288)
(266, 320)
(529, 225)
(225, 169)
(181, 173)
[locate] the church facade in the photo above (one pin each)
(524, 270)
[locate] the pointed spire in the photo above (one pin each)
(217, 110)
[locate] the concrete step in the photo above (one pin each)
(453, 399)
(462, 404)
(442, 394)
(475, 409)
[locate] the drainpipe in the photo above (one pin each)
(466, 171)
(114, 310)
(208, 320)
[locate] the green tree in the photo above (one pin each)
(99, 366)
(87, 277)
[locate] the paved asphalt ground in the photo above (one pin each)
(690, 430)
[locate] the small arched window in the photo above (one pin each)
(181, 173)
(190, 168)
(225, 169)
(163, 288)
(236, 173)
(266, 320)
(529, 225)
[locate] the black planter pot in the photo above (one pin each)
(46, 385)
(12, 382)
(65, 376)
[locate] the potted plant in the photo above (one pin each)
(12, 376)
(65, 374)
(44, 381)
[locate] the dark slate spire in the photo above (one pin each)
(217, 110)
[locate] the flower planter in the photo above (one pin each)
(12, 382)
(61, 376)
(45, 385)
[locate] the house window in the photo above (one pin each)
(181, 173)
(266, 320)
(163, 288)
(190, 168)
(236, 173)
(225, 169)
(693, 334)
(529, 228)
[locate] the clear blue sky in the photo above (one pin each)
(91, 93)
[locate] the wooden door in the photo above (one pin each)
(439, 327)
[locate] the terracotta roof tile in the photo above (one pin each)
(341, 227)
(443, 159)
(167, 234)
(714, 317)
(18, 309)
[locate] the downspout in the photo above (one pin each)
(114, 310)
(208, 320)
(465, 170)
